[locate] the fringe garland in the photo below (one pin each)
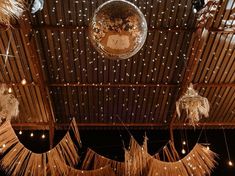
(136, 160)
(103, 171)
(18, 160)
(10, 9)
(95, 161)
(199, 162)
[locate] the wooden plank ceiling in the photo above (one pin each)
(67, 78)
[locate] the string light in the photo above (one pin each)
(184, 142)
(31, 134)
(23, 82)
(183, 151)
(230, 163)
(43, 136)
(10, 90)
(20, 132)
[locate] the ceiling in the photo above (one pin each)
(67, 78)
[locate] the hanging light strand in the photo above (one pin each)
(227, 149)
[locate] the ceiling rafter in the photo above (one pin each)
(42, 125)
(68, 84)
(30, 45)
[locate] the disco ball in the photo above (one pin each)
(118, 29)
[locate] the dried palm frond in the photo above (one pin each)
(195, 106)
(9, 105)
(10, 9)
(95, 161)
(103, 171)
(18, 160)
(200, 162)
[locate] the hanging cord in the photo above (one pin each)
(124, 126)
(226, 143)
(201, 133)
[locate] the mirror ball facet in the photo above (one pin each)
(118, 29)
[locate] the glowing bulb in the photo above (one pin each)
(183, 151)
(230, 163)
(184, 142)
(4, 145)
(10, 90)
(23, 82)
(207, 147)
(31, 134)
(20, 132)
(43, 136)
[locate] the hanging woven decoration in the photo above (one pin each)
(9, 105)
(93, 160)
(195, 106)
(10, 9)
(136, 160)
(200, 162)
(18, 160)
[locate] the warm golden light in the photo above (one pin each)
(184, 142)
(10, 90)
(20, 132)
(230, 163)
(23, 82)
(183, 151)
(31, 134)
(43, 136)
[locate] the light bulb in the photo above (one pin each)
(31, 134)
(207, 147)
(20, 132)
(230, 163)
(10, 90)
(184, 142)
(43, 136)
(183, 151)
(23, 82)
(4, 145)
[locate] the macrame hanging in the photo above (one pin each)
(18, 160)
(9, 105)
(195, 106)
(10, 9)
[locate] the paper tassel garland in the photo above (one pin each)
(10, 9)
(9, 105)
(18, 160)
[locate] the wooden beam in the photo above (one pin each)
(43, 125)
(70, 84)
(30, 44)
(152, 28)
